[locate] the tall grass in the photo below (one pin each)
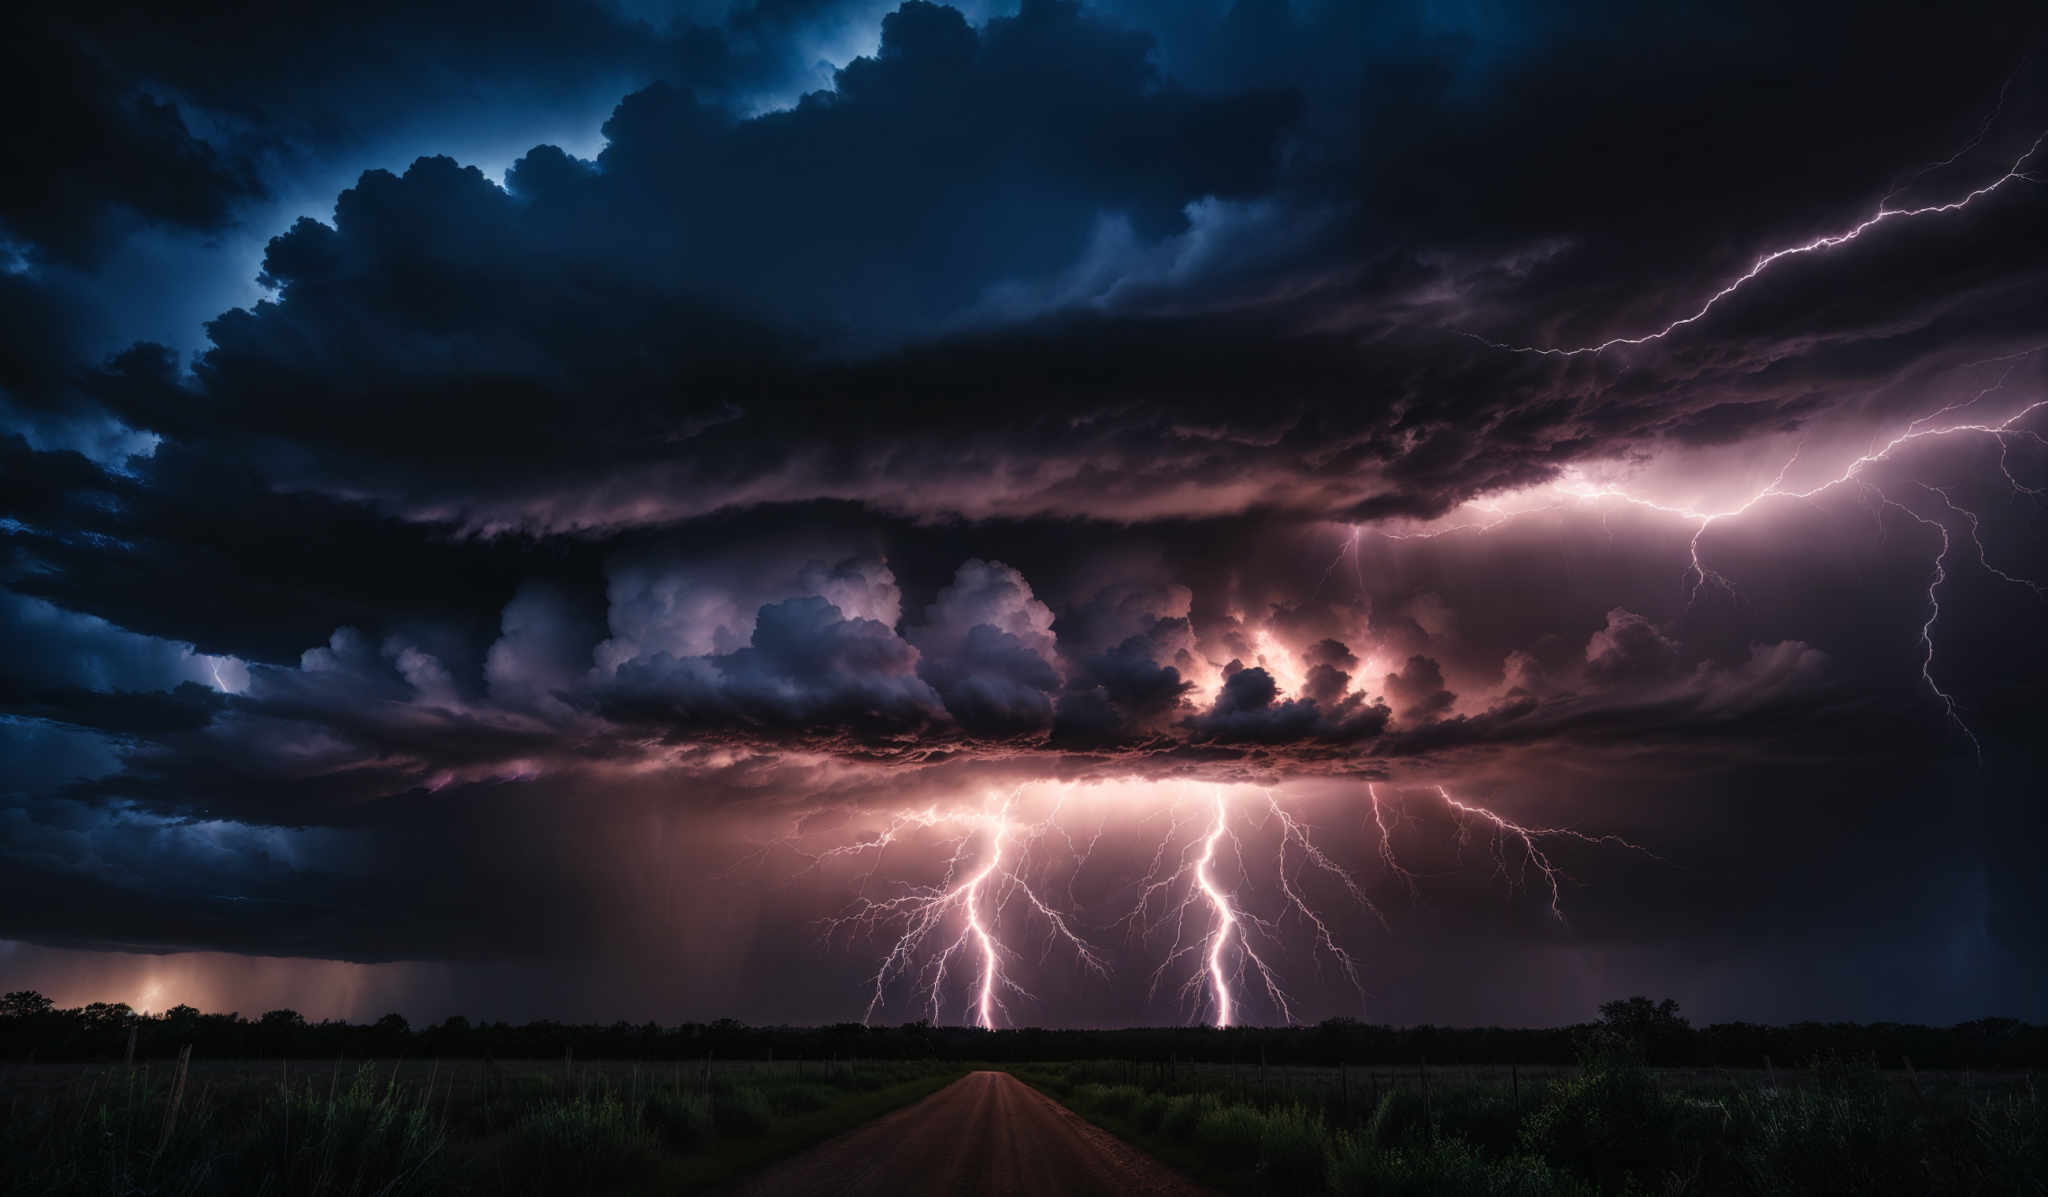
(198, 1130)
(1611, 1126)
(150, 1131)
(586, 1144)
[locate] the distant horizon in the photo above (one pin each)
(70, 1000)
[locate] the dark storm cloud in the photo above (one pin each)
(91, 150)
(179, 116)
(1418, 688)
(641, 330)
(996, 411)
(662, 281)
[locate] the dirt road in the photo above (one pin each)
(986, 1133)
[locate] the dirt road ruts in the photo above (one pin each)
(986, 1133)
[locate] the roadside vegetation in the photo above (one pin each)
(103, 1100)
(236, 1127)
(1609, 1126)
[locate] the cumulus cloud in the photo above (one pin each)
(1629, 648)
(1418, 690)
(54, 649)
(1083, 391)
(547, 646)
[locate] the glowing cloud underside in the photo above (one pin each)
(1575, 490)
(1217, 933)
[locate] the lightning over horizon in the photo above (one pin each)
(1185, 900)
(1699, 573)
(992, 515)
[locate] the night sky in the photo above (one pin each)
(629, 510)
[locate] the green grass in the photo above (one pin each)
(223, 1127)
(534, 1129)
(1608, 1127)
(154, 1131)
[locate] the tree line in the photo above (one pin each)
(34, 1028)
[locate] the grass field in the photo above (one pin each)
(1606, 1126)
(197, 1126)
(345, 1128)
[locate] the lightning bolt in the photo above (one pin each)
(1885, 213)
(1229, 925)
(946, 938)
(1948, 701)
(960, 914)
(1531, 840)
(1387, 857)
(1350, 548)
(1226, 918)
(1699, 574)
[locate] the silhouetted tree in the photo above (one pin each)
(1654, 1029)
(106, 1014)
(25, 1003)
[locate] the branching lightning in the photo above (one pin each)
(968, 904)
(1219, 929)
(2017, 171)
(1699, 574)
(1531, 840)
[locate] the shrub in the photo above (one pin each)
(1181, 1115)
(1483, 1117)
(1401, 1117)
(1151, 1111)
(1292, 1147)
(678, 1118)
(1230, 1133)
(1116, 1100)
(1611, 1125)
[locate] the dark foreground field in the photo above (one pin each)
(1608, 1125)
(379, 1127)
(562, 1127)
(102, 1100)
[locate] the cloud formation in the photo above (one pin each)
(649, 431)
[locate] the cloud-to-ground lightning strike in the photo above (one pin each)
(1192, 898)
(2016, 172)
(1226, 951)
(1226, 919)
(978, 899)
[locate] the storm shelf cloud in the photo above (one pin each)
(637, 466)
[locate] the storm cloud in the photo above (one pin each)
(636, 446)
